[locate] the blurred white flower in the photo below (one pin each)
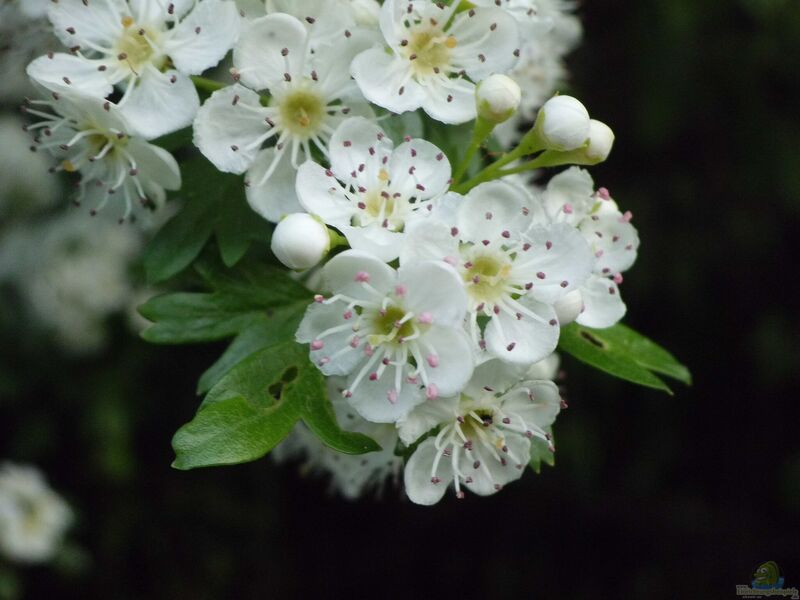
(33, 518)
(72, 272)
(26, 185)
(353, 476)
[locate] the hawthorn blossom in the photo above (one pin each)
(310, 93)
(373, 189)
(392, 333)
(93, 138)
(352, 476)
(33, 518)
(435, 54)
(326, 20)
(570, 198)
(513, 269)
(484, 434)
(147, 47)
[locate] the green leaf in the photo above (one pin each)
(214, 204)
(541, 454)
(624, 353)
(266, 330)
(250, 294)
(256, 405)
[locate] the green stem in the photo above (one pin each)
(205, 84)
(480, 133)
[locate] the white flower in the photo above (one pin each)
(513, 269)
(92, 137)
(498, 97)
(484, 436)
(33, 518)
(300, 241)
(435, 54)
(570, 198)
(353, 476)
(373, 189)
(392, 332)
(310, 93)
(148, 47)
(563, 123)
(72, 273)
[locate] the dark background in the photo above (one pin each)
(652, 496)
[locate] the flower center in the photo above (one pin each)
(485, 276)
(134, 48)
(391, 324)
(429, 51)
(302, 113)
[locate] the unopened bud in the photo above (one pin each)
(563, 123)
(601, 140)
(300, 241)
(498, 97)
(569, 307)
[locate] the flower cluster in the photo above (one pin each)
(123, 81)
(456, 278)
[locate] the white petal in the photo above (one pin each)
(559, 261)
(220, 125)
(526, 340)
(82, 75)
(417, 475)
(435, 288)
(381, 76)
(613, 239)
(492, 208)
(161, 103)
(342, 270)
(537, 402)
(428, 239)
(372, 398)
(156, 11)
(277, 196)
(155, 163)
(425, 417)
(486, 41)
(449, 102)
(391, 18)
(320, 194)
(259, 54)
(330, 17)
(332, 61)
(453, 348)
(495, 374)
(489, 474)
(96, 22)
(569, 195)
(419, 169)
(374, 239)
(603, 305)
(320, 318)
(204, 37)
(358, 141)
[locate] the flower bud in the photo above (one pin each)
(569, 307)
(300, 241)
(601, 140)
(498, 97)
(563, 123)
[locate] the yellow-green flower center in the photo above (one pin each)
(485, 276)
(134, 48)
(302, 113)
(429, 51)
